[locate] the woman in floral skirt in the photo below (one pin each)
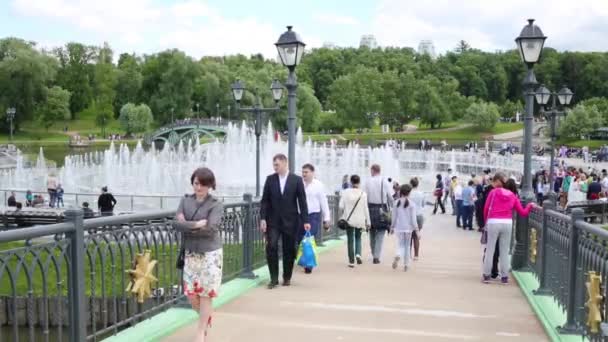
(198, 218)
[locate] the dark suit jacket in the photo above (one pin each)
(281, 210)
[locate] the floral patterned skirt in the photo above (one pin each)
(203, 273)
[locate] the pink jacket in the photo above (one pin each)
(502, 203)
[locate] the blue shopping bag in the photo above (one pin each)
(307, 252)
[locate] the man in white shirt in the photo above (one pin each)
(316, 200)
(458, 197)
(380, 202)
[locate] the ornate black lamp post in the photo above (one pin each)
(291, 48)
(238, 89)
(10, 116)
(530, 45)
(564, 96)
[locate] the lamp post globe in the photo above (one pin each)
(277, 90)
(238, 88)
(530, 43)
(291, 48)
(565, 96)
(543, 95)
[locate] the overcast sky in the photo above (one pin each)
(219, 27)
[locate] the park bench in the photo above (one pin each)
(11, 217)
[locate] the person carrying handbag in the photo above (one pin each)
(353, 204)
(379, 201)
(498, 215)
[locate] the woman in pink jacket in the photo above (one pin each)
(498, 215)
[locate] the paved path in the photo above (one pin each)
(439, 299)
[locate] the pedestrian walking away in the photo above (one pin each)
(498, 214)
(354, 208)
(51, 186)
(316, 200)
(438, 193)
(403, 224)
(417, 197)
(379, 198)
(280, 219)
(468, 205)
(106, 202)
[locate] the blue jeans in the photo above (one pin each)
(459, 212)
(467, 216)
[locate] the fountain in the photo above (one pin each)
(167, 171)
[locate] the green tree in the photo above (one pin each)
(510, 108)
(355, 98)
(462, 47)
(104, 80)
(25, 74)
(482, 115)
(329, 122)
(602, 106)
(431, 108)
(168, 82)
(128, 81)
(75, 74)
(135, 119)
(580, 121)
(55, 108)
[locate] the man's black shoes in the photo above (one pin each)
(272, 285)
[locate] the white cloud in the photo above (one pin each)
(335, 19)
(491, 24)
(147, 26)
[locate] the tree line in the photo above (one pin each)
(339, 88)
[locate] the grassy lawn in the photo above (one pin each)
(105, 273)
(449, 124)
(506, 127)
(460, 135)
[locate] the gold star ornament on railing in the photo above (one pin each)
(533, 244)
(141, 277)
(594, 300)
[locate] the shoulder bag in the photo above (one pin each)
(385, 214)
(342, 223)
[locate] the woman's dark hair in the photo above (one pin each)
(438, 177)
(414, 182)
(354, 179)
(511, 186)
(404, 191)
(471, 183)
(204, 176)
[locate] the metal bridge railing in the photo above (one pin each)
(569, 257)
(68, 283)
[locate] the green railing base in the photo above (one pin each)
(168, 322)
(550, 315)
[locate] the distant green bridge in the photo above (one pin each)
(190, 129)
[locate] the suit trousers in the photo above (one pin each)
(289, 244)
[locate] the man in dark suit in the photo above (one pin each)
(283, 210)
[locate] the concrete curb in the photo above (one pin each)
(167, 322)
(548, 312)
